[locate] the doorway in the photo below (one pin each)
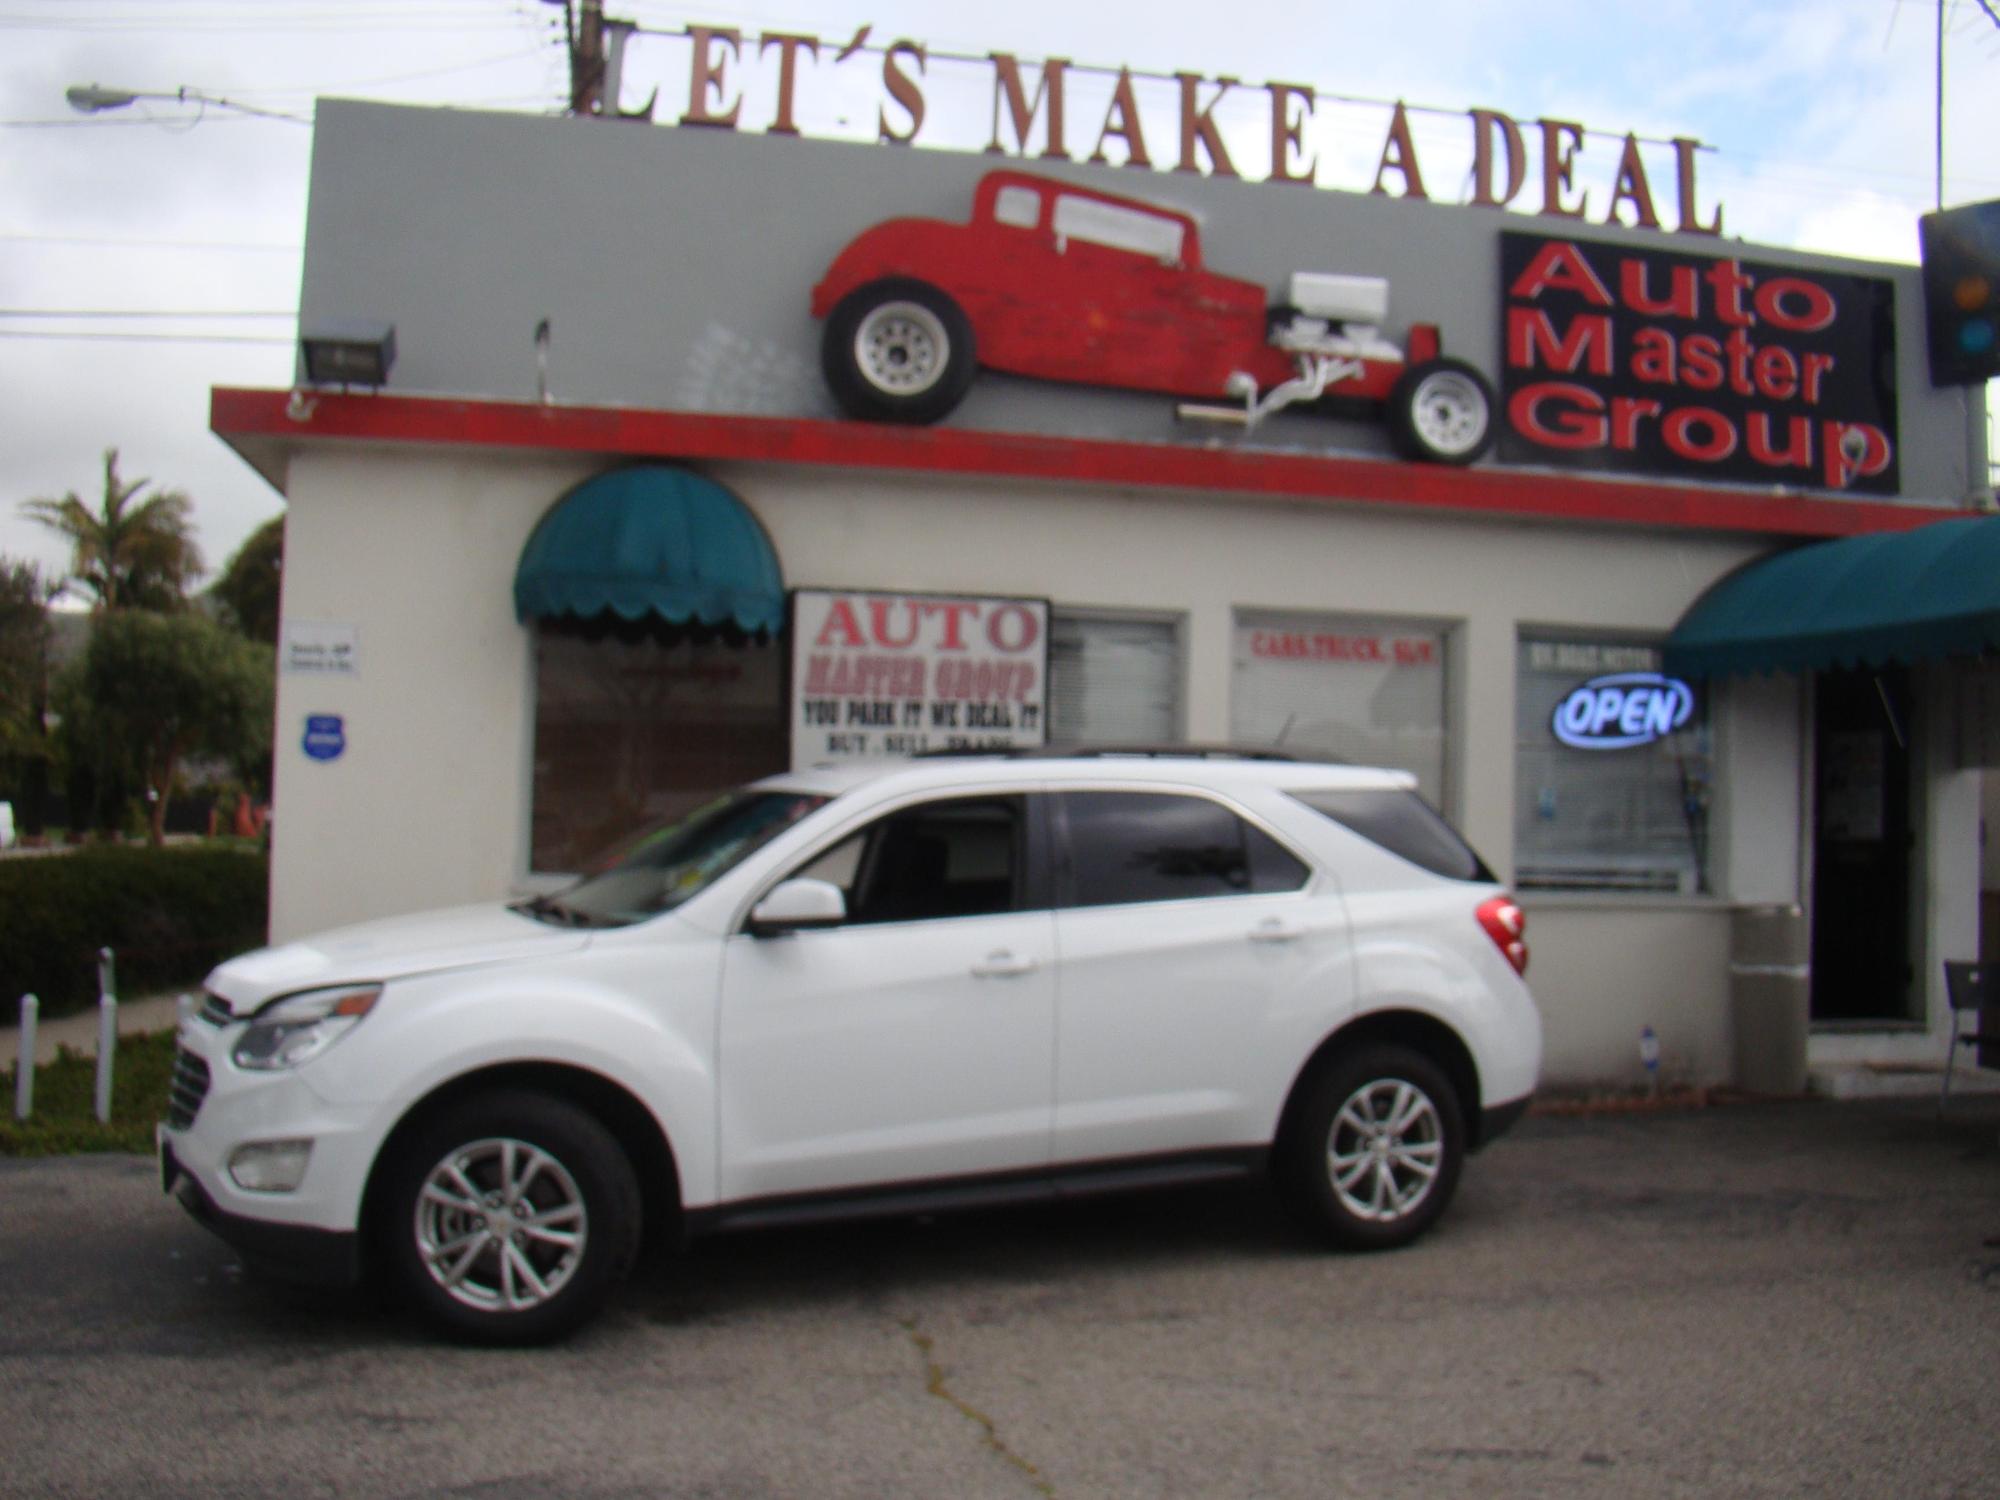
(1863, 841)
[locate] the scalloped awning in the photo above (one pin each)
(651, 541)
(1907, 596)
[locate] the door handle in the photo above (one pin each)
(1276, 930)
(1002, 965)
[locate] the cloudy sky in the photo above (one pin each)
(150, 253)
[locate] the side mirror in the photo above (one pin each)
(798, 904)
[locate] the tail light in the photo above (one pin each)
(1507, 925)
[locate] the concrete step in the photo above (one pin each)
(1897, 1081)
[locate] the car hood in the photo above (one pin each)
(394, 948)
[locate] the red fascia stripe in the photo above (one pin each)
(629, 433)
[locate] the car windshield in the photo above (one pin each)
(665, 866)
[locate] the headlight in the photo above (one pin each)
(290, 1031)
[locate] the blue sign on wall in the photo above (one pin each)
(1624, 709)
(325, 736)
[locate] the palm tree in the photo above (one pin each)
(129, 552)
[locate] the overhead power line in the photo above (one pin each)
(131, 243)
(138, 312)
(148, 338)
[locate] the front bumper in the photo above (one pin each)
(292, 1253)
(310, 1234)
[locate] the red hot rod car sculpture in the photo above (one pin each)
(1066, 283)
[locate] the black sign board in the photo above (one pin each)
(1643, 361)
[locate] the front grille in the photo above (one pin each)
(188, 1089)
(216, 1011)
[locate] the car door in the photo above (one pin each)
(916, 1039)
(1200, 960)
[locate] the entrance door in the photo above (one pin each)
(1862, 842)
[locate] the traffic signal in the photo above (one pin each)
(1961, 251)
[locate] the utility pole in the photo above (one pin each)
(586, 60)
(596, 60)
(1940, 104)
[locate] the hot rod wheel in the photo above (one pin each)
(897, 350)
(1441, 410)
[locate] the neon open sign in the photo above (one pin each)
(1622, 710)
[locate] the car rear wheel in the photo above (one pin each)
(897, 350)
(1441, 411)
(1375, 1151)
(509, 1218)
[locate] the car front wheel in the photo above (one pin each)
(1376, 1149)
(509, 1218)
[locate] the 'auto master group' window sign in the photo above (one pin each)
(877, 675)
(1696, 367)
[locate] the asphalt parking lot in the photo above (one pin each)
(1768, 1299)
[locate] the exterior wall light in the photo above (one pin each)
(348, 351)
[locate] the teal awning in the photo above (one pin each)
(1905, 596)
(651, 541)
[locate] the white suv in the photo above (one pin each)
(893, 989)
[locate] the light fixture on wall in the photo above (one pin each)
(348, 351)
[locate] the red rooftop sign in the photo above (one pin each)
(1537, 165)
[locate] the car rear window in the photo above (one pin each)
(1129, 847)
(1405, 825)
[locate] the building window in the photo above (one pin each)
(1113, 680)
(1613, 766)
(1370, 691)
(640, 723)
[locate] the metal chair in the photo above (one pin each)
(1968, 988)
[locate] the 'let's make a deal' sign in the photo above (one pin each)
(896, 674)
(1651, 362)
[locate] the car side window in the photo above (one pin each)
(1127, 847)
(955, 858)
(1020, 207)
(1108, 224)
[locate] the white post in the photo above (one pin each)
(107, 1033)
(24, 1069)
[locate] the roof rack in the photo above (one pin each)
(1113, 752)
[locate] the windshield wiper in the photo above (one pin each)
(549, 909)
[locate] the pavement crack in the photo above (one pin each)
(989, 1431)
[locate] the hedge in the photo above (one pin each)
(170, 915)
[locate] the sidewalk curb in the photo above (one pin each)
(149, 1013)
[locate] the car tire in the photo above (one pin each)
(898, 350)
(1373, 1155)
(508, 1218)
(1441, 412)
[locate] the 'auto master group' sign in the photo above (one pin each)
(895, 674)
(1646, 361)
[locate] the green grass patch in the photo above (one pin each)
(64, 1120)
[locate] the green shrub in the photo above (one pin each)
(65, 1114)
(170, 915)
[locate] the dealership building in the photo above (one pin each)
(703, 453)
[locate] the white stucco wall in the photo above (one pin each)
(428, 806)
